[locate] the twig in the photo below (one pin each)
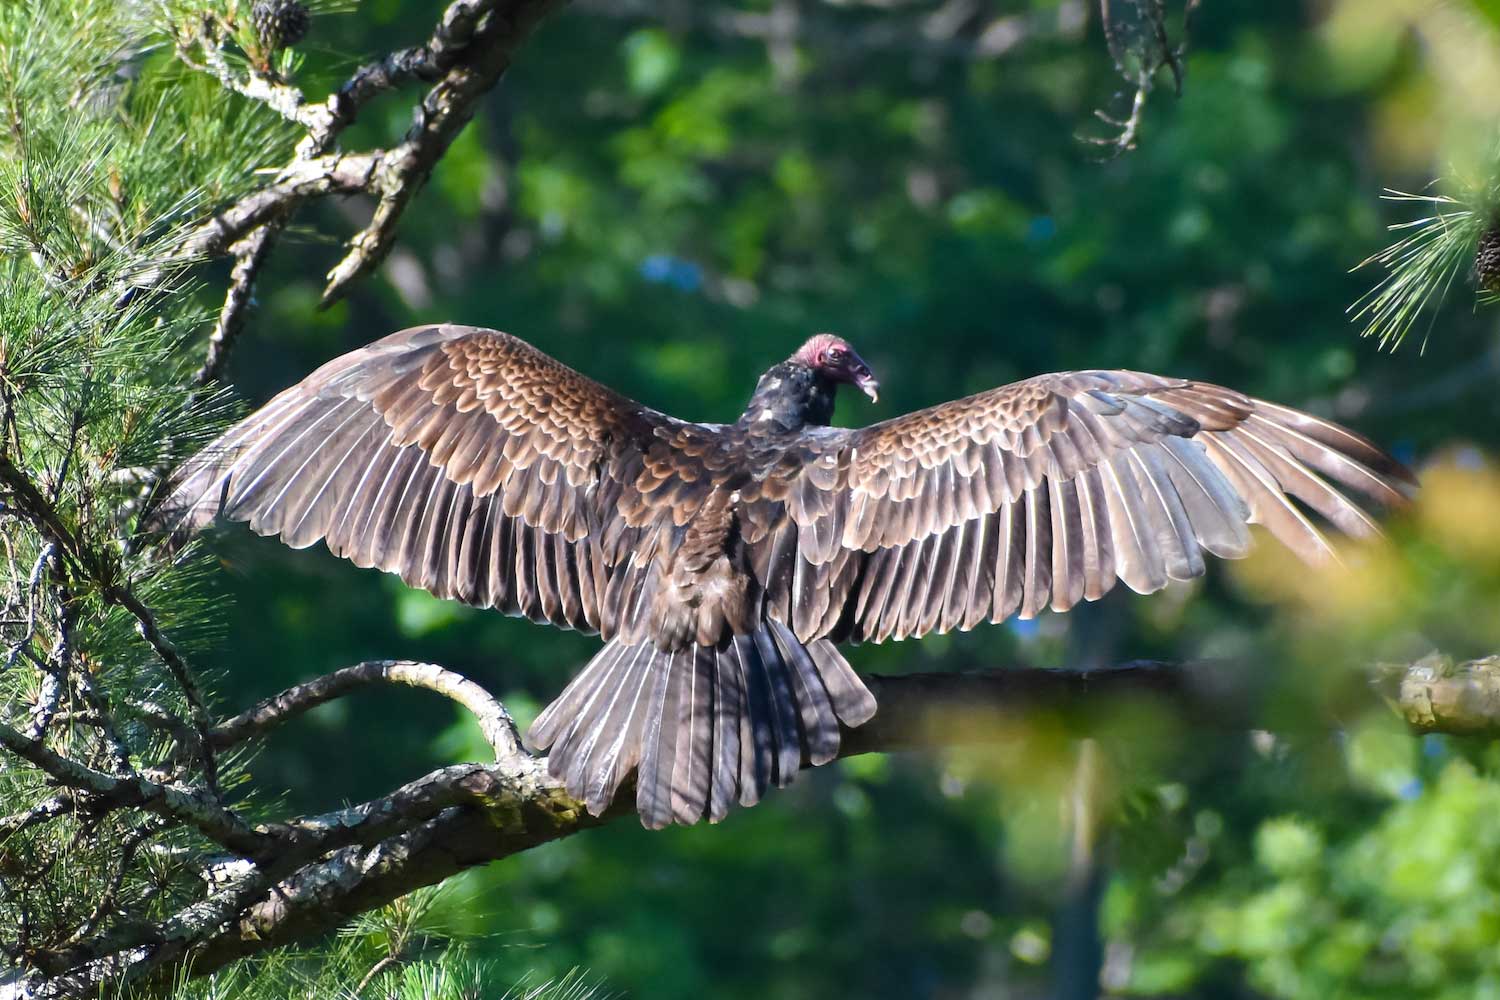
(162, 718)
(1129, 127)
(1161, 54)
(33, 588)
(470, 49)
(250, 254)
(58, 805)
(50, 523)
(427, 62)
(389, 961)
(278, 95)
(494, 721)
(95, 699)
(213, 820)
(334, 173)
(110, 897)
(56, 674)
(438, 119)
(167, 652)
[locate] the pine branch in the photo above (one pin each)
(471, 47)
(102, 771)
(96, 568)
(104, 791)
(328, 868)
(498, 31)
(1422, 266)
(494, 721)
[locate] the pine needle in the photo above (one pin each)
(1421, 267)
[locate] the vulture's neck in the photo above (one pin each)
(789, 397)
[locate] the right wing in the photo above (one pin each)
(468, 462)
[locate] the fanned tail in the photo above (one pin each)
(703, 727)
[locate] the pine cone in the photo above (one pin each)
(280, 24)
(1487, 260)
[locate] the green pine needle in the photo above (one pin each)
(1421, 267)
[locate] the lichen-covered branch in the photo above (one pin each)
(328, 868)
(494, 721)
(498, 29)
(1436, 695)
(107, 791)
(471, 47)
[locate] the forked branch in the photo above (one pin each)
(319, 871)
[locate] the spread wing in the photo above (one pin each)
(1045, 492)
(468, 462)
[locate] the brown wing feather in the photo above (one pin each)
(1045, 492)
(468, 462)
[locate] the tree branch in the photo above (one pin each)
(494, 721)
(331, 867)
(250, 255)
(104, 790)
(335, 173)
(36, 507)
(471, 47)
(1435, 695)
(498, 31)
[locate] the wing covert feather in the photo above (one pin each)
(466, 461)
(1045, 492)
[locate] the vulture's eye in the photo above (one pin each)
(835, 356)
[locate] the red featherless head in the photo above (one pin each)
(831, 355)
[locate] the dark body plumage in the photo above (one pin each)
(723, 563)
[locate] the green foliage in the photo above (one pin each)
(1402, 907)
(395, 953)
(669, 208)
(1432, 254)
(106, 153)
(661, 207)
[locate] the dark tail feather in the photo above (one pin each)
(653, 782)
(729, 710)
(772, 695)
(702, 727)
(820, 725)
(692, 767)
(569, 706)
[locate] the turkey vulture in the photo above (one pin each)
(723, 564)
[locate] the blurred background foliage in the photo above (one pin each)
(670, 195)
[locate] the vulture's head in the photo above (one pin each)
(832, 357)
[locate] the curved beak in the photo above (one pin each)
(867, 384)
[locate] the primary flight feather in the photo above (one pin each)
(723, 564)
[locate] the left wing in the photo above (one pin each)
(1045, 492)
